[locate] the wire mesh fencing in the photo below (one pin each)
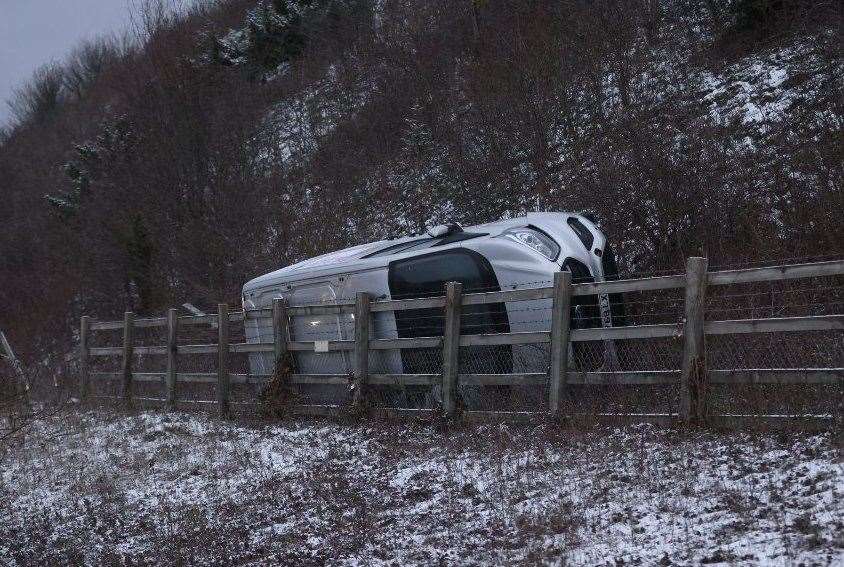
(799, 352)
(504, 358)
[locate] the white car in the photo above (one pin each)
(515, 253)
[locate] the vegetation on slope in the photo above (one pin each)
(239, 136)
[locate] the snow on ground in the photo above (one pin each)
(185, 488)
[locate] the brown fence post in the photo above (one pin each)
(840, 417)
(84, 386)
(693, 382)
(451, 346)
(361, 369)
(280, 334)
(22, 381)
(126, 371)
(172, 357)
(560, 326)
(223, 359)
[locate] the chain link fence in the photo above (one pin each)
(792, 350)
(527, 390)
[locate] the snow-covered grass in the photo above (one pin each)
(184, 488)
(762, 89)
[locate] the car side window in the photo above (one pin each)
(426, 276)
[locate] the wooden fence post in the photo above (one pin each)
(126, 372)
(693, 382)
(172, 357)
(361, 368)
(223, 359)
(560, 326)
(280, 333)
(451, 346)
(840, 417)
(84, 385)
(22, 380)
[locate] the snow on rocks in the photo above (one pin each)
(168, 488)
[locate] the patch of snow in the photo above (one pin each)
(175, 487)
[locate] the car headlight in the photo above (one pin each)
(535, 239)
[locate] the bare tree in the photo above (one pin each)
(88, 61)
(175, 175)
(41, 96)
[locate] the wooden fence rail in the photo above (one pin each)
(693, 378)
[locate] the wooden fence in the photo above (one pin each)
(694, 377)
(20, 386)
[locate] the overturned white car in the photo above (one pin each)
(515, 253)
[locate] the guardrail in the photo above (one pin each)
(693, 377)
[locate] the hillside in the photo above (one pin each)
(227, 140)
(186, 489)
